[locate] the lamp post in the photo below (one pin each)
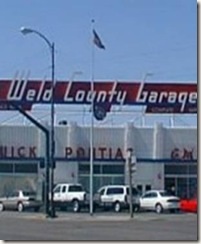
(25, 31)
(147, 75)
(74, 74)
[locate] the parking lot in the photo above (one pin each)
(104, 226)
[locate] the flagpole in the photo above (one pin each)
(92, 127)
(96, 41)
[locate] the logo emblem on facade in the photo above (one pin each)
(182, 154)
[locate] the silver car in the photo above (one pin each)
(20, 200)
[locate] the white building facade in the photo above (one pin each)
(166, 157)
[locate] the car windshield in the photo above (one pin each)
(165, 194)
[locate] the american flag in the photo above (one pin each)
(97, 41)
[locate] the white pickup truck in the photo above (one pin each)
(70, 195)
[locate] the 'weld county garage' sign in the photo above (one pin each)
(157, 97)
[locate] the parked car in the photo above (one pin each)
(188, 205)
(116, 197)
(20, 200)
(70, 195)
(159, 200)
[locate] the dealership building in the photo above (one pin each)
(166, 157)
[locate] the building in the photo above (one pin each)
(166, 157)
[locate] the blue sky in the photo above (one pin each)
(140, 36)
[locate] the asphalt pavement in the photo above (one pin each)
(107, 226)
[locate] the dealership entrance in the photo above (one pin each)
(181, 178)
(104, 173)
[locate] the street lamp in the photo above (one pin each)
(25, 31)
(74, 74)
(147, 75)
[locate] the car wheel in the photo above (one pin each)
(76, 206)
(117, 207)
(158, 208)
(1, 207)
(20, 207)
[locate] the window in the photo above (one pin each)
(57, 189)
(147, 187)
(175, 169)
(153, 194)
(101, 192)
(26, 168)
(193, 169)
(139, 187)
(147, 195)
(115, 190)
(97, 169)
(113, 169)
(105, 173)
(29, 193)
(165, 194)
(64, 189)
(85, 169)
(75, 188)
(19, 166)
(6, 168)
(181, 169)
(14, 194)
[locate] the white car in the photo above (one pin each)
(159, 200)
(116, 197)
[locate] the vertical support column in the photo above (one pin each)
(158, 141)
(72, 137)
(158, 145)
(129, 143)
(73, 142)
